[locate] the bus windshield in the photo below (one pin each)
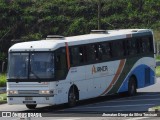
(31, 65)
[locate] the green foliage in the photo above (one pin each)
(3, 98)
(2, 80)
(35, 36)
(2, 56)
(158, 58)
(35, 19)
(78, 26)
(158, 71)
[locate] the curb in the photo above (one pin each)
(153, 110)
(3, 102)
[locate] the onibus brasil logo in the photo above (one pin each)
(99, 69)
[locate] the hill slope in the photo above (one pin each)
(35, 19)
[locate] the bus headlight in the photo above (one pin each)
(45, 92)
(11, 92)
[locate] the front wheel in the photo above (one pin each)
(72, 98)
(31, 106)
(132, 88)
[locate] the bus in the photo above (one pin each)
(60, 69)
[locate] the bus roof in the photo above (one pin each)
(52, 43)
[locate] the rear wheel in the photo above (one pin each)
(132, 87)
(31, 106)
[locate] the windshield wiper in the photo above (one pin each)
(34, 74)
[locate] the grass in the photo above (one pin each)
(158, 71)
(156, 108)
(158, 58)
(3, 98)
(2, 80)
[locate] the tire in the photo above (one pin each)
(132, 87)
(31, 106)
(72, 98)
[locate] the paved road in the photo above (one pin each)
(146, 98)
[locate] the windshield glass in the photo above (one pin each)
(31, 66)
(18, 65)
(41, 65)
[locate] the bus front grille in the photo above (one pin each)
(28, 91)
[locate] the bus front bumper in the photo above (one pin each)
(30, 100)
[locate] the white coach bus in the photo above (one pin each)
(67, 69)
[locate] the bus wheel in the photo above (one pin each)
(31, 106)
(72, 98)
(132, 87)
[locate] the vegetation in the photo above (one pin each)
(156, 107)
(157, 58)
(3, 98)
(35, 19)
(2, 80)
(158, 71)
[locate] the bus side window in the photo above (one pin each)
(81, 54)
(138, 43)
(60, 64)
(117, 49)
(99, 52)
(106, 51)
(91, 53)
(145, 45)
(132, 47)
(125, 46)
(151, 44)
(77, 55)
(74, 55)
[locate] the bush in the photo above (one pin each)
(2, 80)
(158, 58)
(3, 98)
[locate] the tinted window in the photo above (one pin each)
(117, 49)
(106, 50)
(132, 46)
(91, 53)
(61, 63)
(145, 44)
(77, 55)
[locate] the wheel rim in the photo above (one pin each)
(72, 99)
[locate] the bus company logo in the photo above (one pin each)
(99, 69)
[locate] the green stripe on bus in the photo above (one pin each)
(128, 66)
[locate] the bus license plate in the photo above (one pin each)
(28, 98)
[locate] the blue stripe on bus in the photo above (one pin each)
(139, 72)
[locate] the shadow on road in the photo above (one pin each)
(123, 96)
